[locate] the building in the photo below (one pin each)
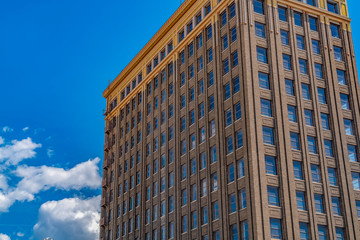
(239, 119)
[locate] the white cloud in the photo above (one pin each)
(50, 152)
(2, 140)
(3, 183)
(71, 218)
(20, 234)
(7, 129)
(4, 237)
(25, 129)
(37, 179)
(17, 151)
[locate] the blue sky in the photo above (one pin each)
(56, 58)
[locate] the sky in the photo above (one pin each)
(56, 58)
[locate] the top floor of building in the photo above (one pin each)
(189, 19)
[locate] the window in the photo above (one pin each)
(234, 232)
(309, 119)
(295, 144)
(209, 55)
(275, 228)
(199, 40)
(303, 66)
(334, 28)
(284, 37)
(300, 42)
(298, 19)
(258, 6)
(300, 199)
(201, 86)
(211, 102)
(341, 77)
(213, 154)
(227, 91)
(183, 197)
(181, 35)
(325, 121)
(315, 173)
(270, 165)
(204, 215)
(226, 66)
(319, 71)
(266, 107)
(228, 118)
(194, 220)
(215, 210)
(262, 55)
(338, 54)
(322, 232)
(223, 19)
(268, 135)
(193, 192)
(225, 42)
(273, 196)
(312, 144)
(339, 233)
(233, 34)
(203, 185)
(313, 22)
(332, 176)
(333, 7)
(298, 170)
(264, 80)
(232, 203)
(200, 64)
(328, 148)
(208, 33)
(356, 180)
(305, 91)
(191, 49)
(282, 14)
(352, 153)
(207, 9)
(242, 199)
(214, 182)
(289, 84)
(292, 113)
(241, 168)
(259, 30)
(304, 231)
(319, 206)
(231, 173)
(239, 139)
(232, 10)
(358, 209)
(315, 46)
(234, 59)
(348, 127)
(287, 62)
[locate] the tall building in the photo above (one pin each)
(239, 119)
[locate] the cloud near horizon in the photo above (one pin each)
(70, 218)
(17, 151)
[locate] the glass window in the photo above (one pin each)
(273, 196)
(270, 165)
(282, 14)
(335, 30)
(237, 111)
(262, 55)
(242, 199)
(319, 206)
(341, 77)
(333, 7)
(325, 121)
(312, 144)
(313, 24)
(304, 231)
(289, 84)
(295, 144)
(345, 101)
(231, 173)
(315, 173)
(232, 203)
(338, 53)
(322, 232)
(352, 153)
(259, 30)
(292, 113)
(228, 118)
(229, 145)
(239, 139)
(266, 107)
(322, 96)
(275, 228)
(300, 198)
(234, 59)
(332, 176)
(264, 80)
(258, 6)
(298, 19)
(303, 66)
(223, 18)
(298, 170)
(348, 127)
(226, 66)
(215, 210)
(268, 135)
(210, 55)
(309, 119)
(284, 37)
(204, 215)
(328, 148)
(233, 34)
(300, 42)
(358, 209)
(241, 168)
(232, 10)
(225, 42)
(319, 71)
(287, 62)
(315, 46)
(356, 180)
(339, 233)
